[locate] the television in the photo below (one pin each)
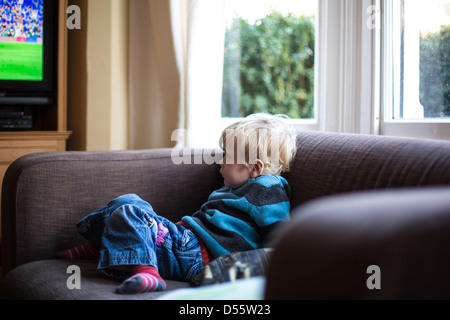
(27, 52)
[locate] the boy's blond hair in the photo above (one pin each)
(260, 136)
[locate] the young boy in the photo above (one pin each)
(132, 241)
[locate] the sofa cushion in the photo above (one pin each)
(47, 280)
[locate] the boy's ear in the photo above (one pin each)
(258, 168)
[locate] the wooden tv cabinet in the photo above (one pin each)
(49, 132)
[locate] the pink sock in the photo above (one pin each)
(144, 279)
(84, 251)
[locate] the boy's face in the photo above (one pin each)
(234, 175)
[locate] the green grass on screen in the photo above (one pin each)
(21, 61)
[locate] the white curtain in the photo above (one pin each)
(176, 58)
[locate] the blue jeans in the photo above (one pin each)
(128, 232)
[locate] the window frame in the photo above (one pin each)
(299, 124)
(431, 128)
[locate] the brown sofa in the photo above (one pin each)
(357, 201)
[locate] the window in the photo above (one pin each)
(421, 33)
(416, 68)
(380, 67)
(269, 58)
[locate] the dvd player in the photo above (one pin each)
(25, 101)
(15, 121)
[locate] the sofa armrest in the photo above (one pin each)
(44, 194)
(327, 250)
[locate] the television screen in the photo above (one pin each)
(22, 40)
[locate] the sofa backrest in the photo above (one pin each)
(329, 163)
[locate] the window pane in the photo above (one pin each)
(269, 58)
(423, 66)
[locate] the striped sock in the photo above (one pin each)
(85, 251)
(143, 279)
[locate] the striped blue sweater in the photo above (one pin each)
(239, 219)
